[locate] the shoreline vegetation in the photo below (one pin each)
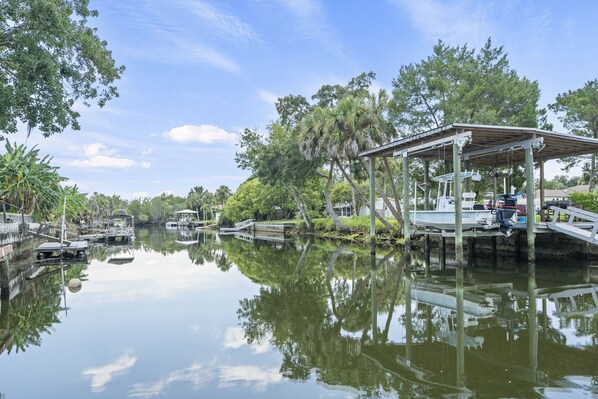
(357, 231)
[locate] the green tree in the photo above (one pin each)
(291, 109)
(255, 200)
(339, 134)
(27, 181)
(76, 204)
(222, 193)
(580, 109)
(50, 59)
(197, 199)
(276, 160)
(99, 205)
(456, 84)
(462, 85)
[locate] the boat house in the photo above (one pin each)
(493, 146)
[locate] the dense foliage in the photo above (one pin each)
(580, 115)
(51, 60)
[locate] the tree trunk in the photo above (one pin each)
(387, 202)
(302, 259)
(393, 187)
(365, 200)
(298, 197)
(329, 207)
(354, 202)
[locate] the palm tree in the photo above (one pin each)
(196, 198)
(28, 182)
(315, 130)
(359, 125)
(222, 194)
(339, 134)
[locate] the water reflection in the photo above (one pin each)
(31, 307)
(337, 317)
(462, 335)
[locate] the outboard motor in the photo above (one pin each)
(507, 207)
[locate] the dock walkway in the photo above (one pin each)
(584, 230)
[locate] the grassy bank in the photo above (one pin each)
(358, 230)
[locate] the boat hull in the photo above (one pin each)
(445, 220)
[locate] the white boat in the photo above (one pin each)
(171, 225)
(121, 228)
(474, 216)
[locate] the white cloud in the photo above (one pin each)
(102, 161)
(95, 149)
(100, 156)
(268, 96)
(221, 23)
(234, 338)
(196, 374)
(455, 22)
(228, 376)
(198, 53)
(207, 134)
(100, 376)
(257, 377)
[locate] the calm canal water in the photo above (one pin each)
(193, 314)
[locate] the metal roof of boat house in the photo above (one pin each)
(484, 137)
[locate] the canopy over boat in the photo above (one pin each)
(186, 211)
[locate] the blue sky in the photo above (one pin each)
(198, 72)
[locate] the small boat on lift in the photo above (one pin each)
(474, 216)
(121, 228)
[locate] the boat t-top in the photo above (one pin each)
(474, 216)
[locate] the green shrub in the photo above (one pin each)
(587, 201)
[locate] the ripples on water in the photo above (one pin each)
(181, 314)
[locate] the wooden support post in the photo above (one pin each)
(494, 185)
(427, 206)
(374, 294)
(372, 203)
(542, 215)
(532, 317)
(427, 186)
(530, 218)
(457, 183)
(460, 328)
(442, 252)
(406, 222)
(408, 318)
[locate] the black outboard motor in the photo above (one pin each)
(507, 206)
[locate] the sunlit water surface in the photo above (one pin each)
(184, 314)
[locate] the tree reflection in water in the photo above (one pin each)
(35, 307)
(315, 307)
